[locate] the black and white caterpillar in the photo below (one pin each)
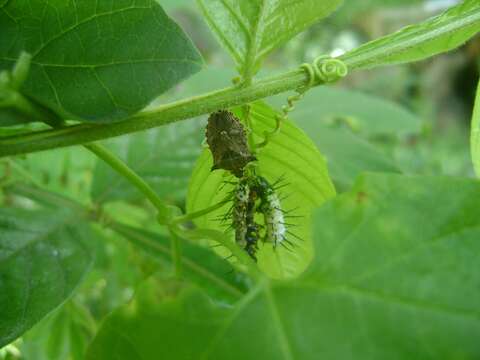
(254, 195)
(243, 218)
(274, 218)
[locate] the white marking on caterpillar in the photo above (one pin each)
(239, 215)
(271, 208)
(274, 219)
(255, 195)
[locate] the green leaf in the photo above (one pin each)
(96, 62)
(475, 134)
(290, 156)
(9, 117)
(434, 36)
(43, 257)
(347, 154)
(365, 114)
(335, 119)
(200, 265)
(250, 30)
(395, 277)
(150, 154)
(63, 335)
(351, 11)
(66, 171)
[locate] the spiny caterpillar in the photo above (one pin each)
(243, 218)
(274, 219)
(254, 198)
(255, 195)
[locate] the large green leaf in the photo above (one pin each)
(436, 35)
(43, 257)
(290, 156)
(163, 157)
(95, 61)
(395, 277)
(252, 29)
(475, 134)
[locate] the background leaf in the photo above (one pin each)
(434, 36)
(43, 257)
(347, 154)
(200, 265)
(249, 30)
(63, 335)
(163, 157)
(393, 278)
(365, 114)
(341, 121)
(97, 62)
(290, 155)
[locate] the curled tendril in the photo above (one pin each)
(323, 70)
(328, 70)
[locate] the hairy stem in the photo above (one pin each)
(378, 52)
(180, 110)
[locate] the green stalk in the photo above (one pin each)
(179, 110)
(132, 177)
(176, 250)
(375, 53)
(190, 216)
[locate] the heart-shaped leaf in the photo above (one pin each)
(96, 61)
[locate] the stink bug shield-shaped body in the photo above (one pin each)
(227, 141)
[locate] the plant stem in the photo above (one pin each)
(196, 214)
(123, 169)
(378, 52)
(179, 110)
(176, 250)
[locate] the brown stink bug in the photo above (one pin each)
(227, 141)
